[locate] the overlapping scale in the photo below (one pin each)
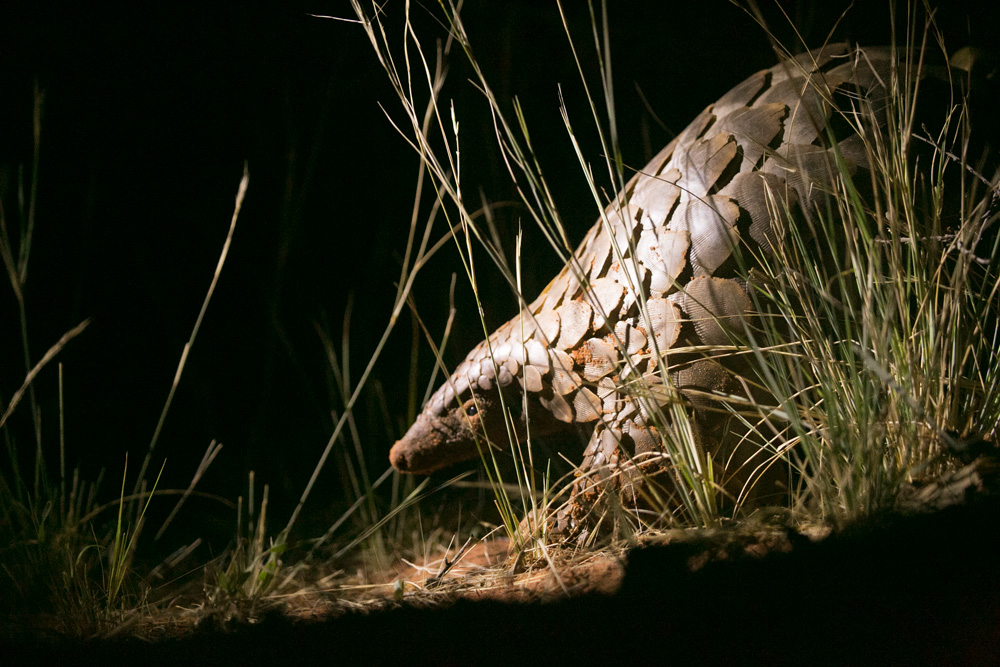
(548, 326)
(558, 406)
(564, 379)
(703, 164)
(876, 66)
(531, 379)
(605, 295)
(538, 354)
(607, 392)
(807, 169)
(461, 382)
(711, 225)
(742, 95)
(533, 359)
(754, 128)
(463, 368)
(751, 191)
(654, 197)
(554, 293)
(602, 254)
(575, 318)
(586, 405)
(716, 308)
(665, 320)
(808, 112)
(689, 135)
(622, 230)
(631, 338)
(521, 329)
(501, 352)
(633, 277)
(664, 252)
(597, 357)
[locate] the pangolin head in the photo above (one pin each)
(455, 425)
(465, 416)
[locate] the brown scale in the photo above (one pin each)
(584, 356)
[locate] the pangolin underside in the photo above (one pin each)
(680, 238)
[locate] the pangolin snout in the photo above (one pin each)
(399, 457)
(431, 444)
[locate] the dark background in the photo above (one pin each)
(148, 119)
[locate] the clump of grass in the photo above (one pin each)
(253, 565)
(63, 558)
(62, 561)
(882, 350)
(875, 352)
(46, 554)
(121, 552)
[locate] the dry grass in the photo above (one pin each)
(883, 364)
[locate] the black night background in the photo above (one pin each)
(148, 118)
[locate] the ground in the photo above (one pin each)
(910, 588)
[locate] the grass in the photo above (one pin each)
(61, 549)
(439, 150)
(874, 362)
(883, 353)
(877, 356)
(75, 558)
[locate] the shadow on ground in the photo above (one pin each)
(921, 589)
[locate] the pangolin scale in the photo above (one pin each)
(677, 239)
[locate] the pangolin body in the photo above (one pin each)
(669, 241)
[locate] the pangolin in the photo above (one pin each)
(670, 241)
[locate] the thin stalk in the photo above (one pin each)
(240, 194)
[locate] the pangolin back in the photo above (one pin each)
(668, 240)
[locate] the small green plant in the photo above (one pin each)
(254, 561)
(121, 551)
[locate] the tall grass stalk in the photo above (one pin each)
(445, 171)
(416, 258)
(240, 194)
(122, 549)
